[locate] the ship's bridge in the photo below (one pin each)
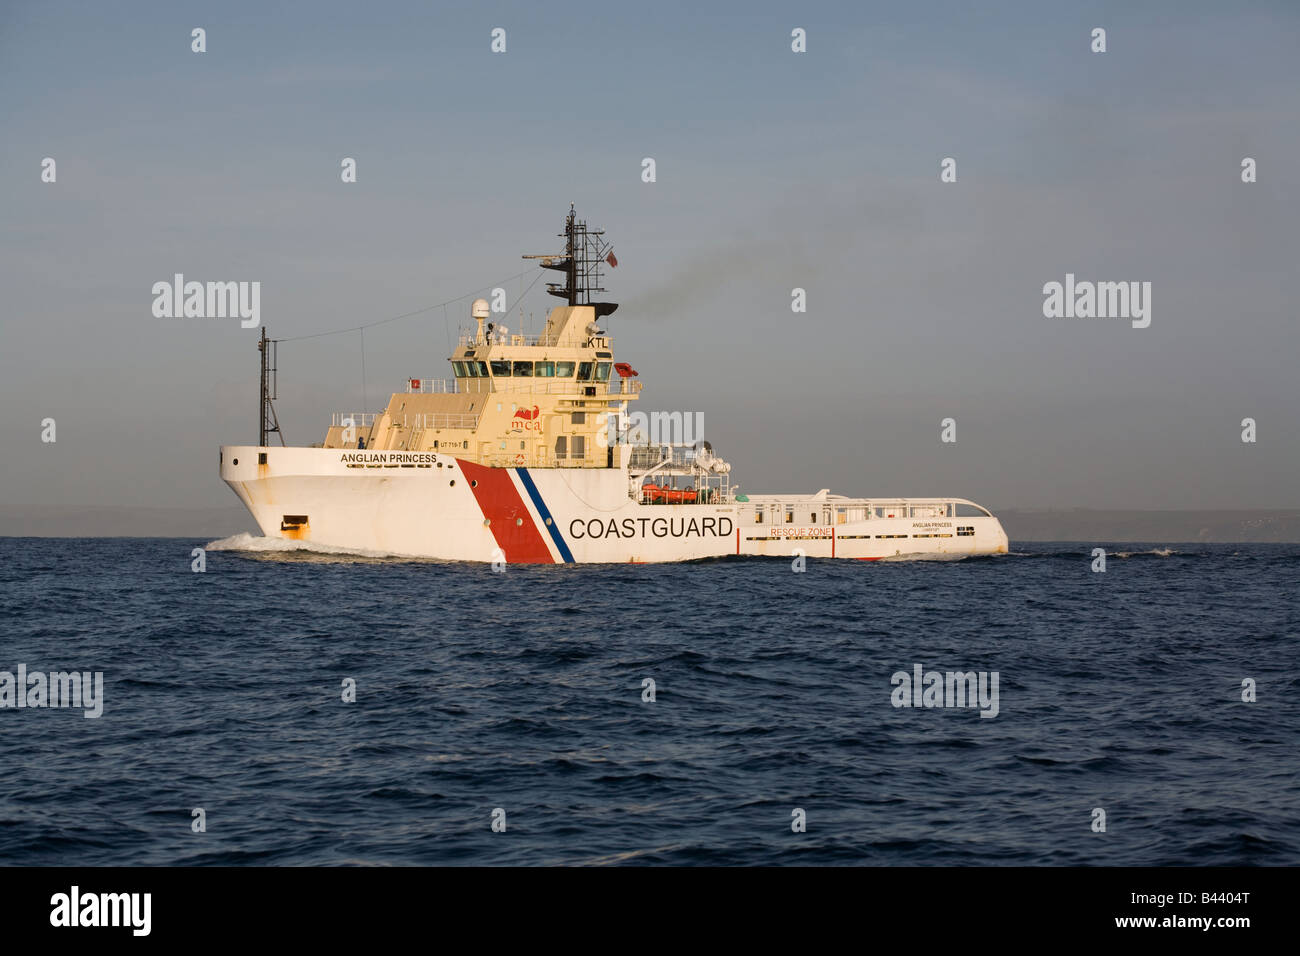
(543, 400)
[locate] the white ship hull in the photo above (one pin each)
(432, 505)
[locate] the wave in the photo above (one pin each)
(256, 544)
(892, 558)
(1085, 551)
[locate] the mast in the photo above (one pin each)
(266, 417)
(585, 252)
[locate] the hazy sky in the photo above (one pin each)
(774, 170)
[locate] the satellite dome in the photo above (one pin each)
(480, 309)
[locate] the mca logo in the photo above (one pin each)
(527, 420)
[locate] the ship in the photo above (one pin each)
(531, 453)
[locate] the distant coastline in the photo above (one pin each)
(1269, 526)
(1265, 526)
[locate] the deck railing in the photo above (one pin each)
(353, 419)
(537, 385)
(439, 420)
(360, 420)
(538, 459)
(426, 386)
(470, 338)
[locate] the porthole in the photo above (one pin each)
(234, 461)
(453, 483)
(473, 482)
(519, 521)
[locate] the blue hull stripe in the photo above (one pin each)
(542, 510)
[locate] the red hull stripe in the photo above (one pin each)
(502, 505)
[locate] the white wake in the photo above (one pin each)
(256, 544)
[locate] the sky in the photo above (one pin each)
(775, 170)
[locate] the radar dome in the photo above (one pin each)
(480, 309)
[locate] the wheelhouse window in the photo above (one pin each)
(544, 369)
(564, 369)
(459, 369)
(500, 369)
(585, 371)
(476, 369)
(602, 371)
(523, 370)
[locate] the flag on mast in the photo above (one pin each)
(613, 263)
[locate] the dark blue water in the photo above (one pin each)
(523, 690)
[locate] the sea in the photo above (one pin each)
(265, 703)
